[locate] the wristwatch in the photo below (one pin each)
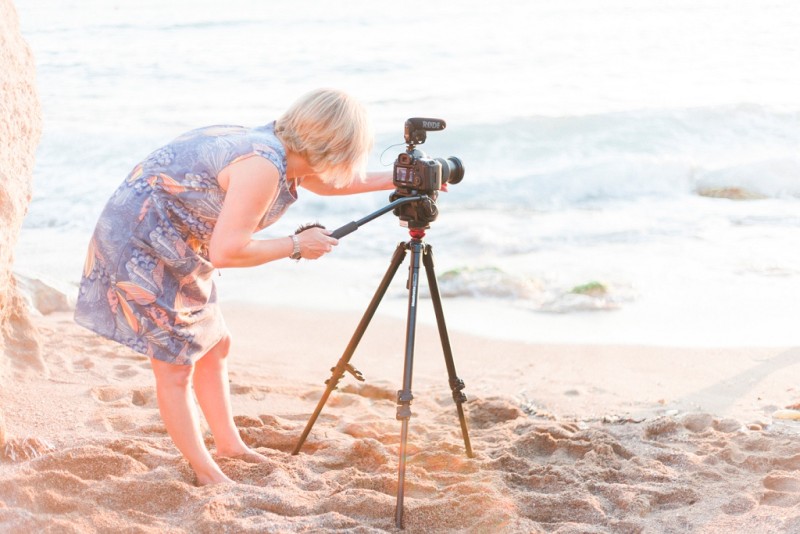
(296, 250)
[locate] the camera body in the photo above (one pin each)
(415, 174)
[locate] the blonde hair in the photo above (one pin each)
(331, 130)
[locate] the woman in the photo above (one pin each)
(193, 206)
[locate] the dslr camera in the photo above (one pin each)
(415, 174)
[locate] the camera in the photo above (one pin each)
(415, 174)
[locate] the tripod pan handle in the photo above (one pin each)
(348, 228)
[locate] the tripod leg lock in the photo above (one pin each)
(457, 385)
(335, 384)
(404, 398)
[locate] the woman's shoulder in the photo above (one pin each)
(266, 144)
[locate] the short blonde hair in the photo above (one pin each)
(331, 130)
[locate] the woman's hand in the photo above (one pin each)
(315, 242)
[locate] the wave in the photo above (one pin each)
(536, 163)
(547, 162)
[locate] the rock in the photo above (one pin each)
(789, 415)
(592, 289)
(731, 193)
(43, 296)
(20, 129)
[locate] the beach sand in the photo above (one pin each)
(567, 439)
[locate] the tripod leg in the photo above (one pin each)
(344, 362)
(404, 396)
(456, 384)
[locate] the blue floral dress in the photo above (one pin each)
(147, 282)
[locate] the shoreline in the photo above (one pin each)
(730, 311)
(565, 380)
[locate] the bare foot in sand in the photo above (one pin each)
(212, 479)
(248, 455)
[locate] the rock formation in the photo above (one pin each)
(20, 128)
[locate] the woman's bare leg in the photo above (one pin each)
(212, 389)
(176, 404)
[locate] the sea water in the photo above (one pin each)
(597, 137)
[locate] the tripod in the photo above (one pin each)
(420, 253)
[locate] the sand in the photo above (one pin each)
(567, 439)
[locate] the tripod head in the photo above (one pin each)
(418, 213)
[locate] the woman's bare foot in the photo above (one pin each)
(248, 455)
(206, 480)
(211, 475)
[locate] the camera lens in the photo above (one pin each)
(452, 169)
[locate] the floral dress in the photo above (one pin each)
(147, 282)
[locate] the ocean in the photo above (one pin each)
(602, 142)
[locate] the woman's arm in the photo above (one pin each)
(373, 181)
(251, 186)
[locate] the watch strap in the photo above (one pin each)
(296, 247)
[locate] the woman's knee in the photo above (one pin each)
(171, 375)
(221, 349)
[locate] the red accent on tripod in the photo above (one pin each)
(416, 233)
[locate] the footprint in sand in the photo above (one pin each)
(782, 481)
(739, 505)
(108, 394)
(83, 364)
(124, 371)
(254, 392)
(144, 397)
(782, 489)
(120, 410)
(112, 422)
